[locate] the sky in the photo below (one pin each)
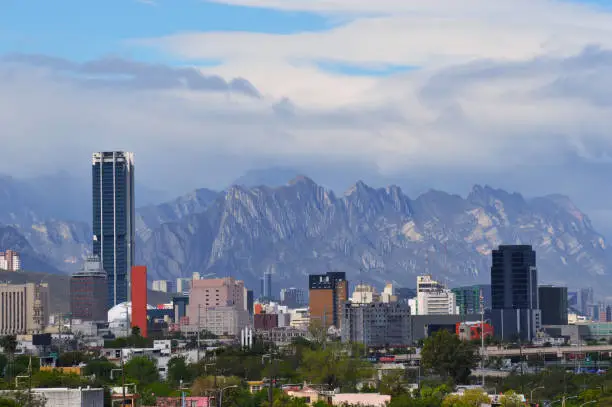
(426, 94)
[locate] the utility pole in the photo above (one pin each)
(198, 353)
(122, 379)
(482, 338)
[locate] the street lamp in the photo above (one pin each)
(564, 399)
(531, 392)
(221, 393)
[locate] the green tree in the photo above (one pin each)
(154, 390)
(135, 331)
(470, 398)
(178, 370)
(511, 399)
(212, 384)
(101, 368)
(334, 367)
(55, 378)
(447, 355)
(393, 383)
(9, 343)
(142, 370)
(68, 359)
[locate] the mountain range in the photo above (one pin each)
(376, 235)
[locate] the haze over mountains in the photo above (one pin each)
(375, 234)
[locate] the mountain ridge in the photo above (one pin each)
(374, 234)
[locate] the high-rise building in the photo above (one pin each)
(377, 323)
(219, 305)
(249, 301)
(292, 297)
(10, 261)
(139, 299)
(165, 286)
(468, 298)
(267, 286)
(553, 304)
(514, 292)
(586, 300)
(113, 219)
(426, 284)
(183, 285)
(432, 298)
(88, 291)
(327, 295)
(24, 308)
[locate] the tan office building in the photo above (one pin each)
(24, 308)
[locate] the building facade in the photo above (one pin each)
(24, 308)
(377, 324)
(293, 297)
(514, 293)
(164, 286)
(440, 302)
(139, 299)
(10, 261)
(553, 305)
(183, 285)
(468, 298)
(365, 294)
(89, 291)
(212, 300)
(327, 295)
(114, 219)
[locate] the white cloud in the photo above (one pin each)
(500, 85)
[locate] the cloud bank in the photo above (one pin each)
(515, 92)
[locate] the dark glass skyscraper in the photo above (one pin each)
(553, 304)
(514, 292)
(113, 219)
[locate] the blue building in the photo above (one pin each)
(113, 219)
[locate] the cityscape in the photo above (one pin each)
(395, 331)
(306, 203)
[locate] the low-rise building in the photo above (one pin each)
(469, 331)
(65, 397)
(24, 308)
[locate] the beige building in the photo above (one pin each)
(24, 308)
(218, 305)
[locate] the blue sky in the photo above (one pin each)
(83, 30)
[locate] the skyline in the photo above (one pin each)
(428, 95)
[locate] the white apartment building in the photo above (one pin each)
(365, 294)
(163, 286)
(433, 298)
(10, 261)
(300, 318)
(427, 284)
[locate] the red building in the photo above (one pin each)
(139, 298)
(468, 331)
(265, 322)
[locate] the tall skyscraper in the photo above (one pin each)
(267, 286)
(328, 293)
(514, 292)
(586, 300)
(113, 219)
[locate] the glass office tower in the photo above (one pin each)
(113, 219)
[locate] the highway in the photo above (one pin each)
(559, 351)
